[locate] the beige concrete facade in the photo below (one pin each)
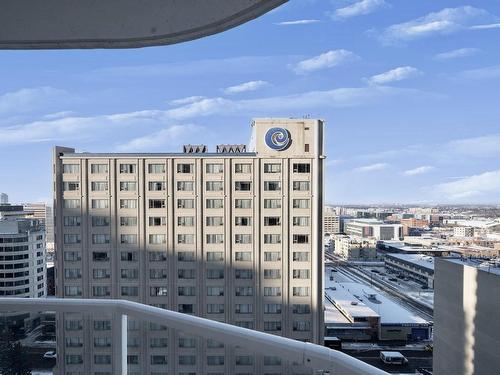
(234, 236)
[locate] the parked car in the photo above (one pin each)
(51, 354)
(393, 358)
(393, 279)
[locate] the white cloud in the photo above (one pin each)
(244, 87)
(397, 74)
(486, 26)
(487, 182)
(30, 99)
(446, 21)
(163, 139)
(487, 73)
(60, 114)
(359, 8)
(297, 22)
(484, 146)
(457, 53)
(188, 100)
(325, 60)
(418, 170)
(372, 167)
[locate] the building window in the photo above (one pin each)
(100, 239)
(98, 168)
(272, 326)
(186, 274)
(188, 291)
(301, 203)
(157, 239)
(129, 273)
(127, 168)
(184, 168)
(243, 238)
(272, 308)
(128, 186)
(129, 256)
(100, 256)
(101, 273)
(158, 273)
(300, 291)
(215, 308)
(272, 203)
(100, 221)
(243, 256)
(243, 274)
(128, 221)
(99, 186)
(128, 203)
(71, 203)
(215, 274)
(215, 360)
(272, 168)
(71, 186)
(306, 147)
(301, 274)
(301, 326)
(129, 291)
(243, 308)
(72, 221)
(157, 256)
(272, 256)
(243, 203)
(71, 168)
(185, 238)
(272, 361)
(244, 291)
(74, 359)
(300, 256)
(215, 291)
(301, 309)
(301, 185)
(185, 203)
(158, 342)
(214, 221)
(187, 360)
(159, 360)
(301, 168)
(243, 168)
(72, 273)
(300, 238)
(272, 274)
(101, 291)
(300, 221)
(100, 203)
(156, 168)
(272, 238)
(185, 221)
(243, 221)
(215, 256)
(185, 186)
(129, 239)
(157, 203)
(214, 185)
(156, 291)
(244, 360)
(157, 186)
(72, 291)
(157, 221)
(272, 221)
(272, 291)
(244, 324)
(214, 168)
(185, 308)
(215, 203)
(71, 239)
(272, 185)
(242, 186)
(215, 238)
(186, 256)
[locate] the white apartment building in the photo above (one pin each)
(4, 198)
(331, 223)
(22, 267)
(463, 231)
(233, 235)
(355, 248)
(374, 228)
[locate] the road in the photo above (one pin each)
(416, 359)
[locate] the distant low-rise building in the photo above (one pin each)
(4, 198)
(463, 231)
(374, 228)
(417, 267)
(331, 223)
(355, 247)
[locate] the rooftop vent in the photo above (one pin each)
(231, 149)
(194, 149)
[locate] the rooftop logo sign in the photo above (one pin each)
(278, 139)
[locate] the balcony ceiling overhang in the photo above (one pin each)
(60, 24)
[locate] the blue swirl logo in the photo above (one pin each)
(278, 139)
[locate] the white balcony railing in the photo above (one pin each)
(319, 358)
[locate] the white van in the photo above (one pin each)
(393, 358)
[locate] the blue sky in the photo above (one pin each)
(410, 91)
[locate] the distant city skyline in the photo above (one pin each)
(409, 92)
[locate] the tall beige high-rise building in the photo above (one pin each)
(233, 235)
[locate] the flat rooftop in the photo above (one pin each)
(424, 261)
(481, 264)
(155, 155)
